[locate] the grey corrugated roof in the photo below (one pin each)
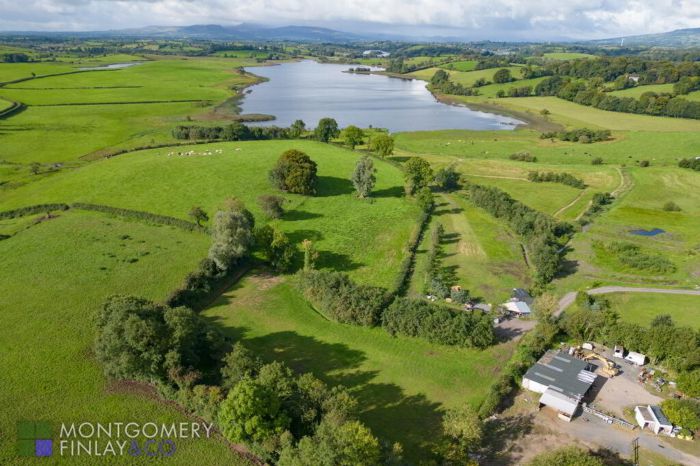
(564, 374)
(660, 416)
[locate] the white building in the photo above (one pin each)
(653, 418)
(636, 358)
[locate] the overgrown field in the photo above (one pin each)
(402, 384)
(53, 278)
(641, 308)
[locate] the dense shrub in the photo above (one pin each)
(693, 164)
(671, 206)
(271, 205)
(599, 202)
(139, 339)
(438, 324)
(522, 91)
(684, 413)
(568, 456)
(404, 273)
(552, 177)
(198, 287)
(584, 135)
(440, 82)
(341, 299)
(523, 156)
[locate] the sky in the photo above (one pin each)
(467, 19)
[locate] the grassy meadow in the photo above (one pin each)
(53, 277)
(96, 112)
(341, 225)
(641, 308)
(402, 384)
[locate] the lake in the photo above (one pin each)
(309, 91)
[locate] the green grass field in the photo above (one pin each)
(464, 65)
(53, 277)
(467, 78)
(641, 308)
(402, 384)
(342, 225)
(83, 130)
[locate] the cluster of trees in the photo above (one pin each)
(522, 91)
(593, 94)
(598, 203)
(441, 82)
(609, 69)
(289, 419)
(684, 413)
(543, 235)
(567, 456)
(15, 58)
(553, 177)
(693, 164)
(502, 76)
(236, 131)
(583, 135)
(492, 61)
(438, 324)
(677, 348)
(630, 255)
(341, 299)
(686, 85)
(294, 172)
(276, 247)
(523, 156)
(141, 340)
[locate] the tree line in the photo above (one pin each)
(553, 177)
(582, 135)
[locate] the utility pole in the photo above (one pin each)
(635, 451)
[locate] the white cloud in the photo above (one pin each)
(521, 19)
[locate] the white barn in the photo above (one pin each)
(653, 418)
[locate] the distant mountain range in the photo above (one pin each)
(677, 38)
(257, 32)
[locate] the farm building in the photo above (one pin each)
(518, 307)
(653, 418)
(520, 294)
(562, 380)
(636, 358)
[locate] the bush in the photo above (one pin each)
(684, 413)
(693, 164)
(671, 206)
(597, 161)
(382, 144)
(644, 163)
(551, 177)
(198, 286)
(438, 324)
(523, 156)
(341, 299)
(689, 383)
(271, 205)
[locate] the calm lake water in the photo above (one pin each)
(309, 91)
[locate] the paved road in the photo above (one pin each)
(569, 298)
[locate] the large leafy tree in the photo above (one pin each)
(326, 129)
(295, 172)
(232, 234)
(363, 177)
(382, 144)
(418, 175)
(139, 339)
(252, 413)
(463, 431)
(297, 129)
(276, 246)
(502, 76)
(335, 444)
(353, 136)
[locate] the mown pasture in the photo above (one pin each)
(53, 277)
(641, 308)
